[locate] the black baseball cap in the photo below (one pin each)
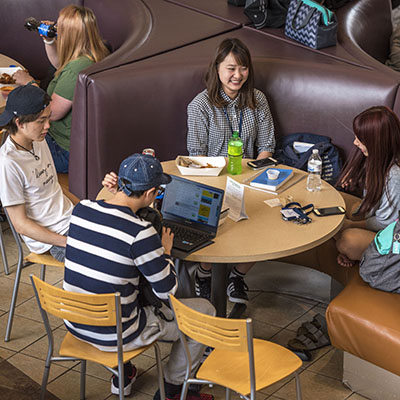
(23, 100)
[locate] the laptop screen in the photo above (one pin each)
(192, 201)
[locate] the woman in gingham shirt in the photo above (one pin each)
(230, 103)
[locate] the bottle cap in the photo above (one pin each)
(315, 151)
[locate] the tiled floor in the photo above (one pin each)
(276, 317)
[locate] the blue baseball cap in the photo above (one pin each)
(24, 100)
(141, 172)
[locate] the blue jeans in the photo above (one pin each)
(60, 156)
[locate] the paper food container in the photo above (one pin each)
(218, 163)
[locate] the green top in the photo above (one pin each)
(64, 86)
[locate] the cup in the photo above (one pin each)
(272, 174)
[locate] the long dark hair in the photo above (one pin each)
(242, 56)
(378, 129)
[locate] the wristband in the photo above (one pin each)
(48, 42)
(32, 82)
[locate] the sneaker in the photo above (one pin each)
(236, 290)
(202, 287)
(128, 383)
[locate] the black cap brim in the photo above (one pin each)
(6, 117)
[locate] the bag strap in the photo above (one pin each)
(306, 19)
(326, 13)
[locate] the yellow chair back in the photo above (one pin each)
(219, 333)
(96, 309)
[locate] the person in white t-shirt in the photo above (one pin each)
(29, 188)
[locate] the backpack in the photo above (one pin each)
(331, 161)
(380, 263)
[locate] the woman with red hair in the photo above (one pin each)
(372, 171)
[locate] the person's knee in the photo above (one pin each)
(202, 305)
(345, 242)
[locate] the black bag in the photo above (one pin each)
(334, 4)
(380, 263)
(311, 23)
(331, 161)
(146, 295)
(237, 3)
(270, 13)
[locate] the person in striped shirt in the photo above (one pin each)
(108, 248)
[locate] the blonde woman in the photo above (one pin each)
(78, 46)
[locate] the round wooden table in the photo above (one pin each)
(264, 235)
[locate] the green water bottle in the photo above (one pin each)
(235, 154)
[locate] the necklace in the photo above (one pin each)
(29, 151)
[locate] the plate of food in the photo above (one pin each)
(6, 74)
(200, 166)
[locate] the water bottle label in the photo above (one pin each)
(43, 29)
(314, 167)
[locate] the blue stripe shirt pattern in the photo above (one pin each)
(108, 247)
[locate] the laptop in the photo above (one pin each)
(191, 209)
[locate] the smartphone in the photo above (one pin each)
(323, 212)
(264, 162)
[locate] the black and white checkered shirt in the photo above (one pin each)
(209, 130)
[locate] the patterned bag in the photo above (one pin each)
(380, 263)
(311, 24)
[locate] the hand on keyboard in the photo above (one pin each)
(167, 239)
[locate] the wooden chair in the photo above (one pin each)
(88, 309)
(238, 361)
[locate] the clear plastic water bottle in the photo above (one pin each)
(314, 168)
(235, 154)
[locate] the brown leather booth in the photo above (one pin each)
(365, 28)
(137, 98)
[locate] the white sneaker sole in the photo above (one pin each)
(127, 389)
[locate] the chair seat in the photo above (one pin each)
(231, 369)
(44, 259)
(73, 347)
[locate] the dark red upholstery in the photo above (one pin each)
(143, 104)
(364, 30)
(20, 44)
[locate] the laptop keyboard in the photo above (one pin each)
(185, 234)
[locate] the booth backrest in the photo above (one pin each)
(143, 104)
(19, 43)
(364, 30)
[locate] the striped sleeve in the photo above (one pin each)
(156, 267)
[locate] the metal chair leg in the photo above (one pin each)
(160, 371)
(16, 283)
(227, 394)
(298, 387)
(184, 390)
(42, 272)
(83, 380)
(3, 252)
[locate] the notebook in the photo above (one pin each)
(263, 182)
(191, 209)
